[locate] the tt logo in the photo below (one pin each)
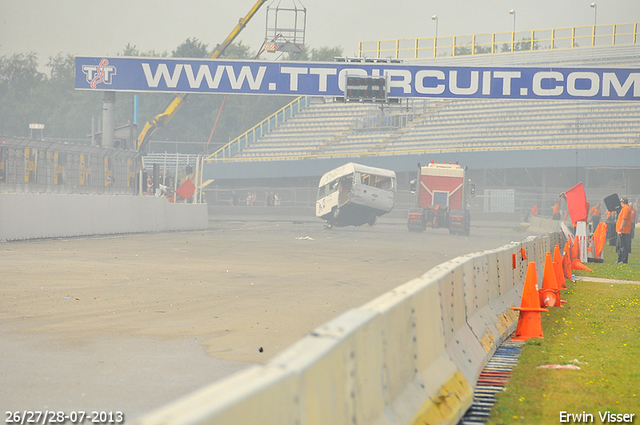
(101, 73)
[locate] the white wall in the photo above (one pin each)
(33, 216)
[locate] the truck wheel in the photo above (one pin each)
(372, 220)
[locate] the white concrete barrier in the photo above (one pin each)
(34, 216)
(411, 356)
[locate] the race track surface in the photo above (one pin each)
(131, 322)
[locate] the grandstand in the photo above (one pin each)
(325, 128)
(334, 129)
(329, 128)
(312, 130)
(508, 124)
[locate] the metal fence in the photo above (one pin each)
(263, 127)
(548, 39)
(42, 166)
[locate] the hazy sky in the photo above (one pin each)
(103, 28)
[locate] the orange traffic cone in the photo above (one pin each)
(575, 250)
(560, 283)
(529, 320)
(577, 265)
(566, 266)
(557, 264)
(549, 294)
(567, 251)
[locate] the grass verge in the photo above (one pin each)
(598, 330)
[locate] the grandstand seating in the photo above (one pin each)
(308, 131)
(327, 128)
(518, 124)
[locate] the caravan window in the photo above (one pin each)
(327, 189)
(373, 180)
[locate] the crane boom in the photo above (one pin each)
(163, 118)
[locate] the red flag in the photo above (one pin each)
(186, 190)
(577, 203)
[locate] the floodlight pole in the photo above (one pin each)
(513, 33)
(435, 39)
(594, 5)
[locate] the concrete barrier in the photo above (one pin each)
(34, 216)
(410, 356)
(281, 213)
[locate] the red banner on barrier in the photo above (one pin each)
(186, 190)
(577, 203)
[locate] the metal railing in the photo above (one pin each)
(264, 126)
(170, 162)
(632, 143)
(44, 166)
(176, 146)
(548, 39)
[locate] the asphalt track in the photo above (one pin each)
(129, 323)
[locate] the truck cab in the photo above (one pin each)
(441, 199)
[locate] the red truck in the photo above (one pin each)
(441, 194)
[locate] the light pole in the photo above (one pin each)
(513, 12)
(435, 40)
(594, 5)
(513, 33)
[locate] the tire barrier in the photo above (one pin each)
(35, 216)
(411, 356)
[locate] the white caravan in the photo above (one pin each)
(354, 194)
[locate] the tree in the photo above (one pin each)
(191, 48)
(463, 50)
(238, 51)
(467, 50)
(482, 50)
(522, 45)
(20, 81)
(67, 111)
(525, 44)
(298, 56)
(130, 50)
(326, 54)
(323, 54)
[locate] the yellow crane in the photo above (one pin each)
(163, 118)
